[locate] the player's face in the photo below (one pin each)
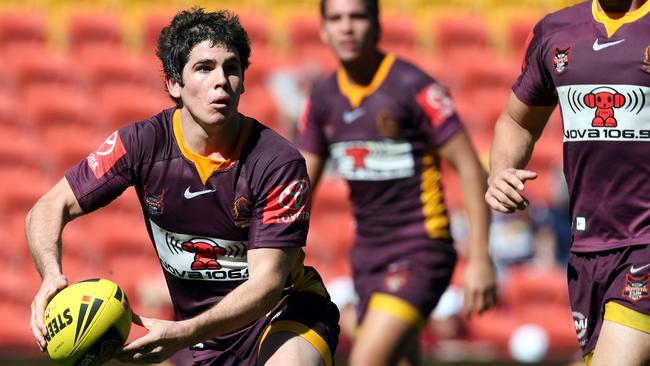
(213, 82)
(348, 29)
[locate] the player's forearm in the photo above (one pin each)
(315, 164)
(43, 227)
(473, 186)
(512, 145)
(244, 305)
(44, 224)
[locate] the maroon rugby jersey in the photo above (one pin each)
(599, 72)
(383, 139)
(203, 218)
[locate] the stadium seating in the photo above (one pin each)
(20, 30)
(90, 31)
(456, 34)
(42, 67)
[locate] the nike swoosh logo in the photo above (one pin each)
(351, 116)
(638, 269)
(601, 46)
(189, 194)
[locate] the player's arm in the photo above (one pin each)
(515, 134)
(43, 227)
(268, 272)
(315, 164)
(479, 279)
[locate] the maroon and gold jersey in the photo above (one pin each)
(598, 70)
(204, 215)
(382, 139)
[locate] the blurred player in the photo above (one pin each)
(594, 59)
(386, 124)
(226, 203)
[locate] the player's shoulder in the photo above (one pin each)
(150, 138)
(325, 86)
(568, 17)
(267, 149)
(409, 73)
(150, 127)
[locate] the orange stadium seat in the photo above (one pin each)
(517, 33)
(455, 34)
(22, 30)
(120, 106)
(257, 28)
(305, 44)
(151, 26)
(398, 35)
(35, 68)
(94, 30)
(258, 103)
(20, 152)
(11, 114)
(104, 68)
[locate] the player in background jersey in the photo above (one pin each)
(386, 124)
(226, 203)
(594, 60)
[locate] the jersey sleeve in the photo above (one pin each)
(105, 173)
(311, 137)
(282, 209)
(435, 113)
(534, 86)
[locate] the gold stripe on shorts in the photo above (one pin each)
(397, 307)
(630, 318)
(303, 331)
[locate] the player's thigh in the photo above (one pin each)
(288, 349)
(383, 339)
(621, 345)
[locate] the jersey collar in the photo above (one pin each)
(355, 93)
(612, 25)
(205, 166)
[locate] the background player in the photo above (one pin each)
(386, 124)
(227, 232)
(592, 59)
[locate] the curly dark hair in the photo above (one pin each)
(190, 27)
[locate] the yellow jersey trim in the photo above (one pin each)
(397, 307)
(588, 358)
(625, 316)
(612, 25)
(355, 93)
(205, 166)
(302, 331)
(436, 221)
(304, 281)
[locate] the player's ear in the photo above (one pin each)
(173, 86)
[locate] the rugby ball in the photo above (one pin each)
(87, 322)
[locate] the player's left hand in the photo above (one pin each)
(164, 339)
(479, 285)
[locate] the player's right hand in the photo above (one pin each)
(50, 286)
(505, 187)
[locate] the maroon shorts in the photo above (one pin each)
(312, 316)
(417, 277)
(619, 275)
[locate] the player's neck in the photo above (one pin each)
(213, 141)
(362, 70)
(616, 8)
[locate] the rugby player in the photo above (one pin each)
(226, 203)
(386, 125)
(594, 60)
